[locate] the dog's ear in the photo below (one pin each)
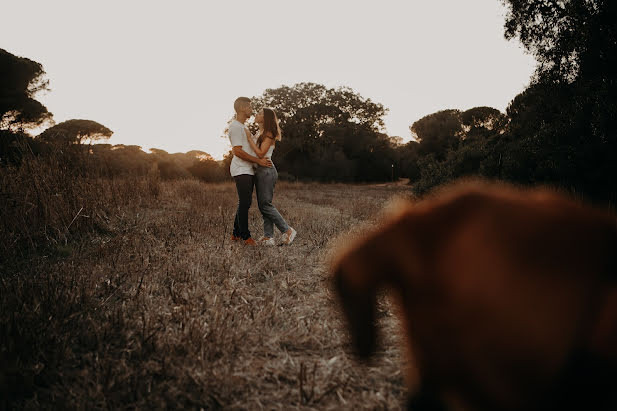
(358, 299)
(361, 267)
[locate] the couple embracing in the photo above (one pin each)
(252, 166)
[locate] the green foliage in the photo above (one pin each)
(438, 132)
(329, 134)
(120, 160)
(75, 132)
(209, 170)
(568, 37)
(408, 160)
(567, 119)
(480, 122)
(194, 163)
(562, 130)
(20, 80)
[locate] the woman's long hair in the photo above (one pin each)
(271, 124)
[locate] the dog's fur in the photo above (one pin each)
(508, 296)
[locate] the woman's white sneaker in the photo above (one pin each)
(267, 241)
(289, 236)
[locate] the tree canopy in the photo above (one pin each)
(561, 130)
(329, 134)
(75, 132)
(438, 132)
(20, 80)
(325, 105)
(567, 37)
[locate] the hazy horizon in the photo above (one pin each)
(165, 76)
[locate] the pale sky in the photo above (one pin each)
(164, 74)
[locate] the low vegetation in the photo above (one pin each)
(129, 294)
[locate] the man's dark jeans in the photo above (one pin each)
(244, 186)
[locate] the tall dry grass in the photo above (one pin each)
(47, 201)
(161, 310)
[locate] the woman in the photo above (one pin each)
(265, 177)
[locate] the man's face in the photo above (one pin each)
(248, 110)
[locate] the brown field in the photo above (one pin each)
(160, 310)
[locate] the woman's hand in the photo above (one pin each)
(259, 151)
(249, 138)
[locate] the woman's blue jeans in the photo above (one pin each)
(265, 180)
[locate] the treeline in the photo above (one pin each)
(71, 142)
(107, 160)
(560, 131)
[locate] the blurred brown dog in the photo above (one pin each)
(508, 297)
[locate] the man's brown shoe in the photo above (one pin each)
(234, 238)
(249, 241)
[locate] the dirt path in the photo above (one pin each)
(400, 182)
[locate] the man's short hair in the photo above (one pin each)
(241, 101)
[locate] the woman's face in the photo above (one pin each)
(259, 117)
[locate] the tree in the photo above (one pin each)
(181, 165)
(209, 170)
(157, 152)
(75, 132)
(198, 154)
(568, 37)
(329, 134)
(408, 160)
(482, 122)
(119, 159)
(20, 80)
(452, 144)
(562, 130)
(340, 103)
(438, 132)
(397, 141)
(567, 118)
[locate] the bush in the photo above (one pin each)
(285, 176)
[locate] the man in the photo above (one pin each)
(242, 170)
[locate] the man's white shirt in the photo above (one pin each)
(237, 137)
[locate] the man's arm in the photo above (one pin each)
(238, 152)
(237, 137)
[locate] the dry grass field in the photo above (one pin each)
(158, 309)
